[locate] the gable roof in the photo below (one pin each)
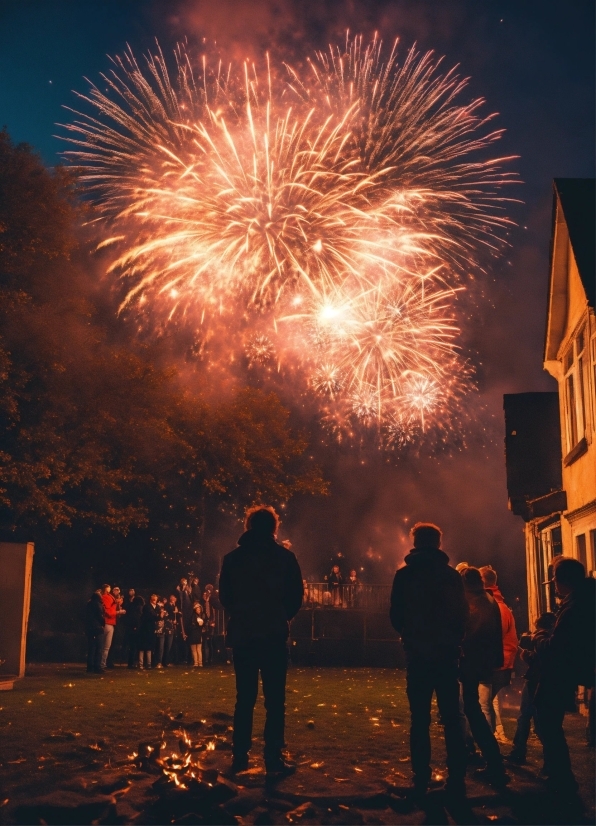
(577, 197)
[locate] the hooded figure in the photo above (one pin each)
(428, 606)
(429, 610)
(261, 588)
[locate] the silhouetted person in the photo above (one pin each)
(135, 614)
(429, 610)
(185, 605)
(150, 616)
(482, 652)
(335, 581)
(209, 628)
(171, 627)
(94, 626)
(261, 587)
(565, 660)
(527, 710)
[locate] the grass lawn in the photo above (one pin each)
(347, 728)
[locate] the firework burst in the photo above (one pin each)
(337, 210)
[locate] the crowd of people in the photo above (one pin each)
(458, 634)
(461, 643)
(335, 591)
(155, 633)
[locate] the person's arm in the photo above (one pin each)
(225, 586)
(461, 607)
(294, 590)
(396, 611)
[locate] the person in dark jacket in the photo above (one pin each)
(134, 615)
(171, 630)
(149, 619)
(429, 610)
(128, 622)
(209, 629)
(482, 653)
(260, 586)
(94, 626)
(564, 660)
(527, 710)
(185, 605)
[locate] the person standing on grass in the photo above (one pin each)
(149, 620)
(489, 691)
(195, 635)
(185, 606)
(209, 628)
(429, 611)
(110, 611)
(94, 625)
(117, 639)
(171, 623)
(482, 653)
(260, 586)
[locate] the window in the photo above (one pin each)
(556, 540)
(574, 363)
(580, 547)
(571, 412)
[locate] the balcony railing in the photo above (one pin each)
(346, 596)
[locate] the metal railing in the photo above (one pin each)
(359, 597)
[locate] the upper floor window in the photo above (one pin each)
(574, 365)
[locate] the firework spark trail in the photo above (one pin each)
(336, 210)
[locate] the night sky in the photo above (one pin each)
(533, 61)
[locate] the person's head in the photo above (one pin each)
(209, 588)
(335, 569)
(461, 566)
(105, 589)
(426, 535)
(131, 593)
(97, 592)
(194, 580)
(568, 574)
(353, 574)
(153, 599)
(472, 580)
(546, 621)
(173, 599)
(198, 608)
(183, 582)
(262, 519)
(116, 591)
(489, 576)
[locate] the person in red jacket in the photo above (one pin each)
(489, 692)
(110, 606)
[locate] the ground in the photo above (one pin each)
(80, 748)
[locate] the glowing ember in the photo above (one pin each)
(333, 211)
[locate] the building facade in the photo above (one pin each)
(560, 510)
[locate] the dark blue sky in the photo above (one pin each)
(533, 61)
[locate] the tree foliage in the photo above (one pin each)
(98, 431)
